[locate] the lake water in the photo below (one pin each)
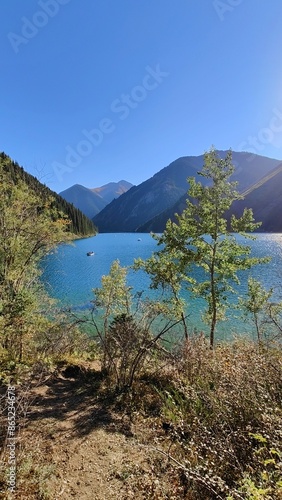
(70, 275)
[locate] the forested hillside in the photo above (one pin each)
(79, 223)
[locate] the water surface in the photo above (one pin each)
(70, 275)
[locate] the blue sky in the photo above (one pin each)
(94, 91)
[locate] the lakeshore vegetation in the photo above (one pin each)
(210, 412)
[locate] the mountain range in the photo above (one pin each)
(92, 201)
(122, 207)
(149, 205)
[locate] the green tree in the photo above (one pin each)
(113, 298)
(265, 313)
(79, 224)
(168, 271)
(203, 237)
(128, 328)
(256, 304)
(29, 228)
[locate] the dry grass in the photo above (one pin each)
(200, 425)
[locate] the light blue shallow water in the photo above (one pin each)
(70, 275)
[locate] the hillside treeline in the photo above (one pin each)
(79, 224)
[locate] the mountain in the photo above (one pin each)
(157, 224)
(92, 201)
(160, 195)
(80, 224)
(265, 198)
(85, 199)
(112, 190)
(144, 201)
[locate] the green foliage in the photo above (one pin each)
(203, 237)
(130, 328)
(114, 295)
(79, 224)
(30, 226)
(167, 269)
(112, 302)
(266, 484)
(273, 320)
(255, 304)
(266, 315)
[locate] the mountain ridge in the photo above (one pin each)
(92, 200)
(265, 199)
(133, 210)
(112, 190)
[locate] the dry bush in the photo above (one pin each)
(224, 413)
(127, 349)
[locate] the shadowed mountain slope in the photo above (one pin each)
(92, 201)
(265, 198)
(164, 194)
(83, 198)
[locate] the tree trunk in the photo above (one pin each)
(212, 331)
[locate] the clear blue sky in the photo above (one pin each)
(94, 91)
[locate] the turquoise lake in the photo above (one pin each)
(70, 275)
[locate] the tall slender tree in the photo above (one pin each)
(203, 237)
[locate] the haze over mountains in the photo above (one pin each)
(149, 205)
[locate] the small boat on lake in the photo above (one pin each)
(90, 253)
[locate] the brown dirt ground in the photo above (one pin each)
(72, 444)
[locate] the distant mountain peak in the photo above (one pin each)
(92, 201)
(112, 190)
